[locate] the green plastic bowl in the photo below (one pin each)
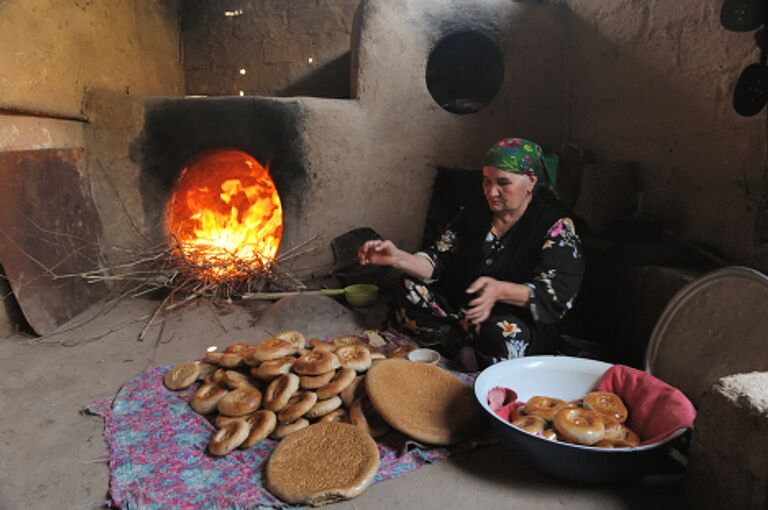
(361, 294)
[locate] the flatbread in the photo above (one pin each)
(321, 464)
(423, 401)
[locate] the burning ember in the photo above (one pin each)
(225, 216)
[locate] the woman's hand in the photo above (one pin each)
(378, 253)
(385, 253)
(489, 291)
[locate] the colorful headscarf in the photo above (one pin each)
(517, 156)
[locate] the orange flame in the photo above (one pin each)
(226, 216)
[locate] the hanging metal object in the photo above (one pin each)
(743, 15)
(751, 93)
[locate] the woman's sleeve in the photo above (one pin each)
(439, 253)
(558, 274)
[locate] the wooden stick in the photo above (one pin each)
(272, 296)
(186, 300)
(160, 308)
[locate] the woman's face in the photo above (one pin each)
(506, 192)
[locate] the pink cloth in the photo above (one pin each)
(656, 408)
(503, 402)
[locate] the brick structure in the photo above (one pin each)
(288, 48)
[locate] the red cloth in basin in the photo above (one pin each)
(656, 409)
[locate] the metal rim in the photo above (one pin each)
(680, 298)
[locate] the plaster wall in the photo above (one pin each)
(54, 55)
(52, 51)
(646, 81)
(372, 161)
(651, 82)
(59, 59)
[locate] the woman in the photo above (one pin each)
(502, 274)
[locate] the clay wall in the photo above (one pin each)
(54, 57)
(372, 160)
(651, 82)
(644, 81)
(53, 52)
(648, 82)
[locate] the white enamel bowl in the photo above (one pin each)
(568, 379)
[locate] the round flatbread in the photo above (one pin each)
(423, 401)
(321, 464)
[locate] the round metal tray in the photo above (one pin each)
(713, 327)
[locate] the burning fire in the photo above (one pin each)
(225, 215)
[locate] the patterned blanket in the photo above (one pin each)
(157, 460)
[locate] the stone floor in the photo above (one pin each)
(53, 454)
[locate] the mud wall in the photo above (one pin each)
(54, 57)
(651, 82)
(52, 52)
(646, 81)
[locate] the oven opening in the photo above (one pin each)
(224, 218)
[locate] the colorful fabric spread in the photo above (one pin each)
(157, 460)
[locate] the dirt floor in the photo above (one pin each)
(53, 455)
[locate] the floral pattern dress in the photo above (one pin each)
(435, 319)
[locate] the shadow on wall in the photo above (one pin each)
(649, 95)
(330, 81)
(650, 85)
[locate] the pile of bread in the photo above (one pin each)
(597, 420)
(278, 387)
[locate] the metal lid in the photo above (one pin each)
(713, 327)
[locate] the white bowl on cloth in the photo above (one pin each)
(424, 356)
(565, 378)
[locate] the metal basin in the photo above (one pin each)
(568, 379)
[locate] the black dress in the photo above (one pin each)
(541, 251)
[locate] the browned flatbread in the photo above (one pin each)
(423, 401)
(322, 463)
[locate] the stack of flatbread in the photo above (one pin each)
(357, 397)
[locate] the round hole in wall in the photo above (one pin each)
(464, 72)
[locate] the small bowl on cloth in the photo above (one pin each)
(568, 379)
(424, 356)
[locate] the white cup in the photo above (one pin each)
(424, 356)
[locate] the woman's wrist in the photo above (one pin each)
(515, 294)
(397, 259)
(412, 264)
